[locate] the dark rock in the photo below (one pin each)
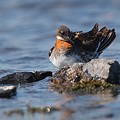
(96, 73)
(24, 77)
(7, 91)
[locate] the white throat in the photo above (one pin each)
(59, 38)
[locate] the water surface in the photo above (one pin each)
(27, 32)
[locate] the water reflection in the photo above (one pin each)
(73, 106)
(76, 107)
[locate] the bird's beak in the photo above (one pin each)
(67, 39)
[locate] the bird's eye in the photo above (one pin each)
(62, 32)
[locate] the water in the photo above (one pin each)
(27, 32)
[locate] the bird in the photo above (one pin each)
(79, 47)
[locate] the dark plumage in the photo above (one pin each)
(95, 40)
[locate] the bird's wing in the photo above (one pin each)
(95, 40)
(106, 38)
(51, 49)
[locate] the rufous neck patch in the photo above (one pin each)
(62, 45)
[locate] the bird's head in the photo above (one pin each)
(63, 34)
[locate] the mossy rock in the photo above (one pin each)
(82, 87)
(94, 76)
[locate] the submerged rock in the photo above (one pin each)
(24, 77)
(7, 91)
(96, 73)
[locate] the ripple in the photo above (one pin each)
(27, 31)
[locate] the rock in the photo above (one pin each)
(106, 69)
(7, 91)
(24, 77)
(97, 72)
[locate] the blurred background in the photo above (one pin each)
(27, 32)
(27, 27)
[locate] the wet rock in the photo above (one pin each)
(96, 73)
(24, 77)
(7, 91)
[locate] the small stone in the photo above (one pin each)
(7, 91)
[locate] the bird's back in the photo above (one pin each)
(95, 40)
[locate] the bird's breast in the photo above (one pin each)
(62, 45)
